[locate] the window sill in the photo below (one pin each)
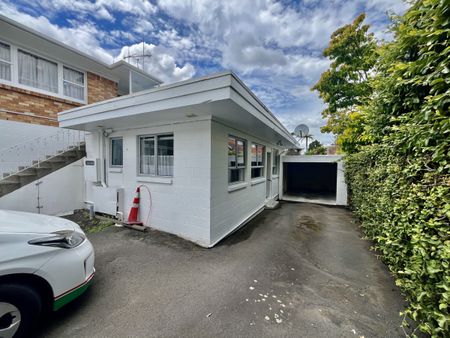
(33, 91)
(275, 176)
(258, 180)
(237, 186)
(160, 180)
(115, 170)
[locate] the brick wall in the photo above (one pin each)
(23, 105)
(100, 89)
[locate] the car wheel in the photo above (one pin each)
(20, 307)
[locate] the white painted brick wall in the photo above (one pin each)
(182, 207)
(230, 208)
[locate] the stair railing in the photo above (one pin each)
(32, 152)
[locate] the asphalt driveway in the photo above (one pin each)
(298, 271)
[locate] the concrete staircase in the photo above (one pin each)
(40, 168)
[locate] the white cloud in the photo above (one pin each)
(161, 63)
(84, 37)
(100, 9)
(276, 47)
(171, 38)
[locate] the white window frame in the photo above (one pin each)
(74, 83)
(15, 74)
(237, 166)
(263, 160)
(155, 137)
(111, 165)
(10, 63)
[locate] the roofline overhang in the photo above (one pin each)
(215, 87)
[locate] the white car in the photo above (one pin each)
(45, 262)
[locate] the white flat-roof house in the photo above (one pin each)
(207, 149)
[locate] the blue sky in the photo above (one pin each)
(274, 46)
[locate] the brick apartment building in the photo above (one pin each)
(40, 76)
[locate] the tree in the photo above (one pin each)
(316, 148)
(346, 84)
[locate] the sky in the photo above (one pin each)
(275, 47)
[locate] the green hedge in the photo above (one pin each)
(407, 217)
(400, 184)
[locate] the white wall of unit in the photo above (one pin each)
(180, 204)
(232, 205)
(60, 192)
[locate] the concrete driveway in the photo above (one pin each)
(298, 271)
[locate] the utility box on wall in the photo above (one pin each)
(92, 170)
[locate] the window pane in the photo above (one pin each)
(5, 67)
(165, 155)
(5, 52)
(147, 155)
(37, 72)
(257, 172)
(254, 155)
(276, 161)
(260, 155)
(74, 91)
(236, 175)
(5, 71)
(240, 153)
(73, 83)
(73, 76)
(116, 151)
(231, 152)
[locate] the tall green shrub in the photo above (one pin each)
(400, 183)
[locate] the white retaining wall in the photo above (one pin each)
(60, 192)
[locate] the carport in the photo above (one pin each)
(314, 178)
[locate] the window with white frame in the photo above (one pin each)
(73, 83)
(116, 151)
(275, 162)
(24, 69)
(156, 155)
(37, 72)
(257, 160)
(5, 61)
(236, 159)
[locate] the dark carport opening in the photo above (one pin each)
(310, 181)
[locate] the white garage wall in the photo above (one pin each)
(229, 209)
(180, 205)
(60, 192)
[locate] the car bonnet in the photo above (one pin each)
(23, 222)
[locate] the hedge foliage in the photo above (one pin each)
(400, 182)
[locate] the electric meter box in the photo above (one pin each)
(92, 170)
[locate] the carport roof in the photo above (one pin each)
(222, 97)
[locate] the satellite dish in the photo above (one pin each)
(301, 130)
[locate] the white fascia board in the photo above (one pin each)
(165, 97)
(250, 102)
(214, 87)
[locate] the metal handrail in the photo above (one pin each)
(32, 152)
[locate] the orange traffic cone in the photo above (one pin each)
(132, 221)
